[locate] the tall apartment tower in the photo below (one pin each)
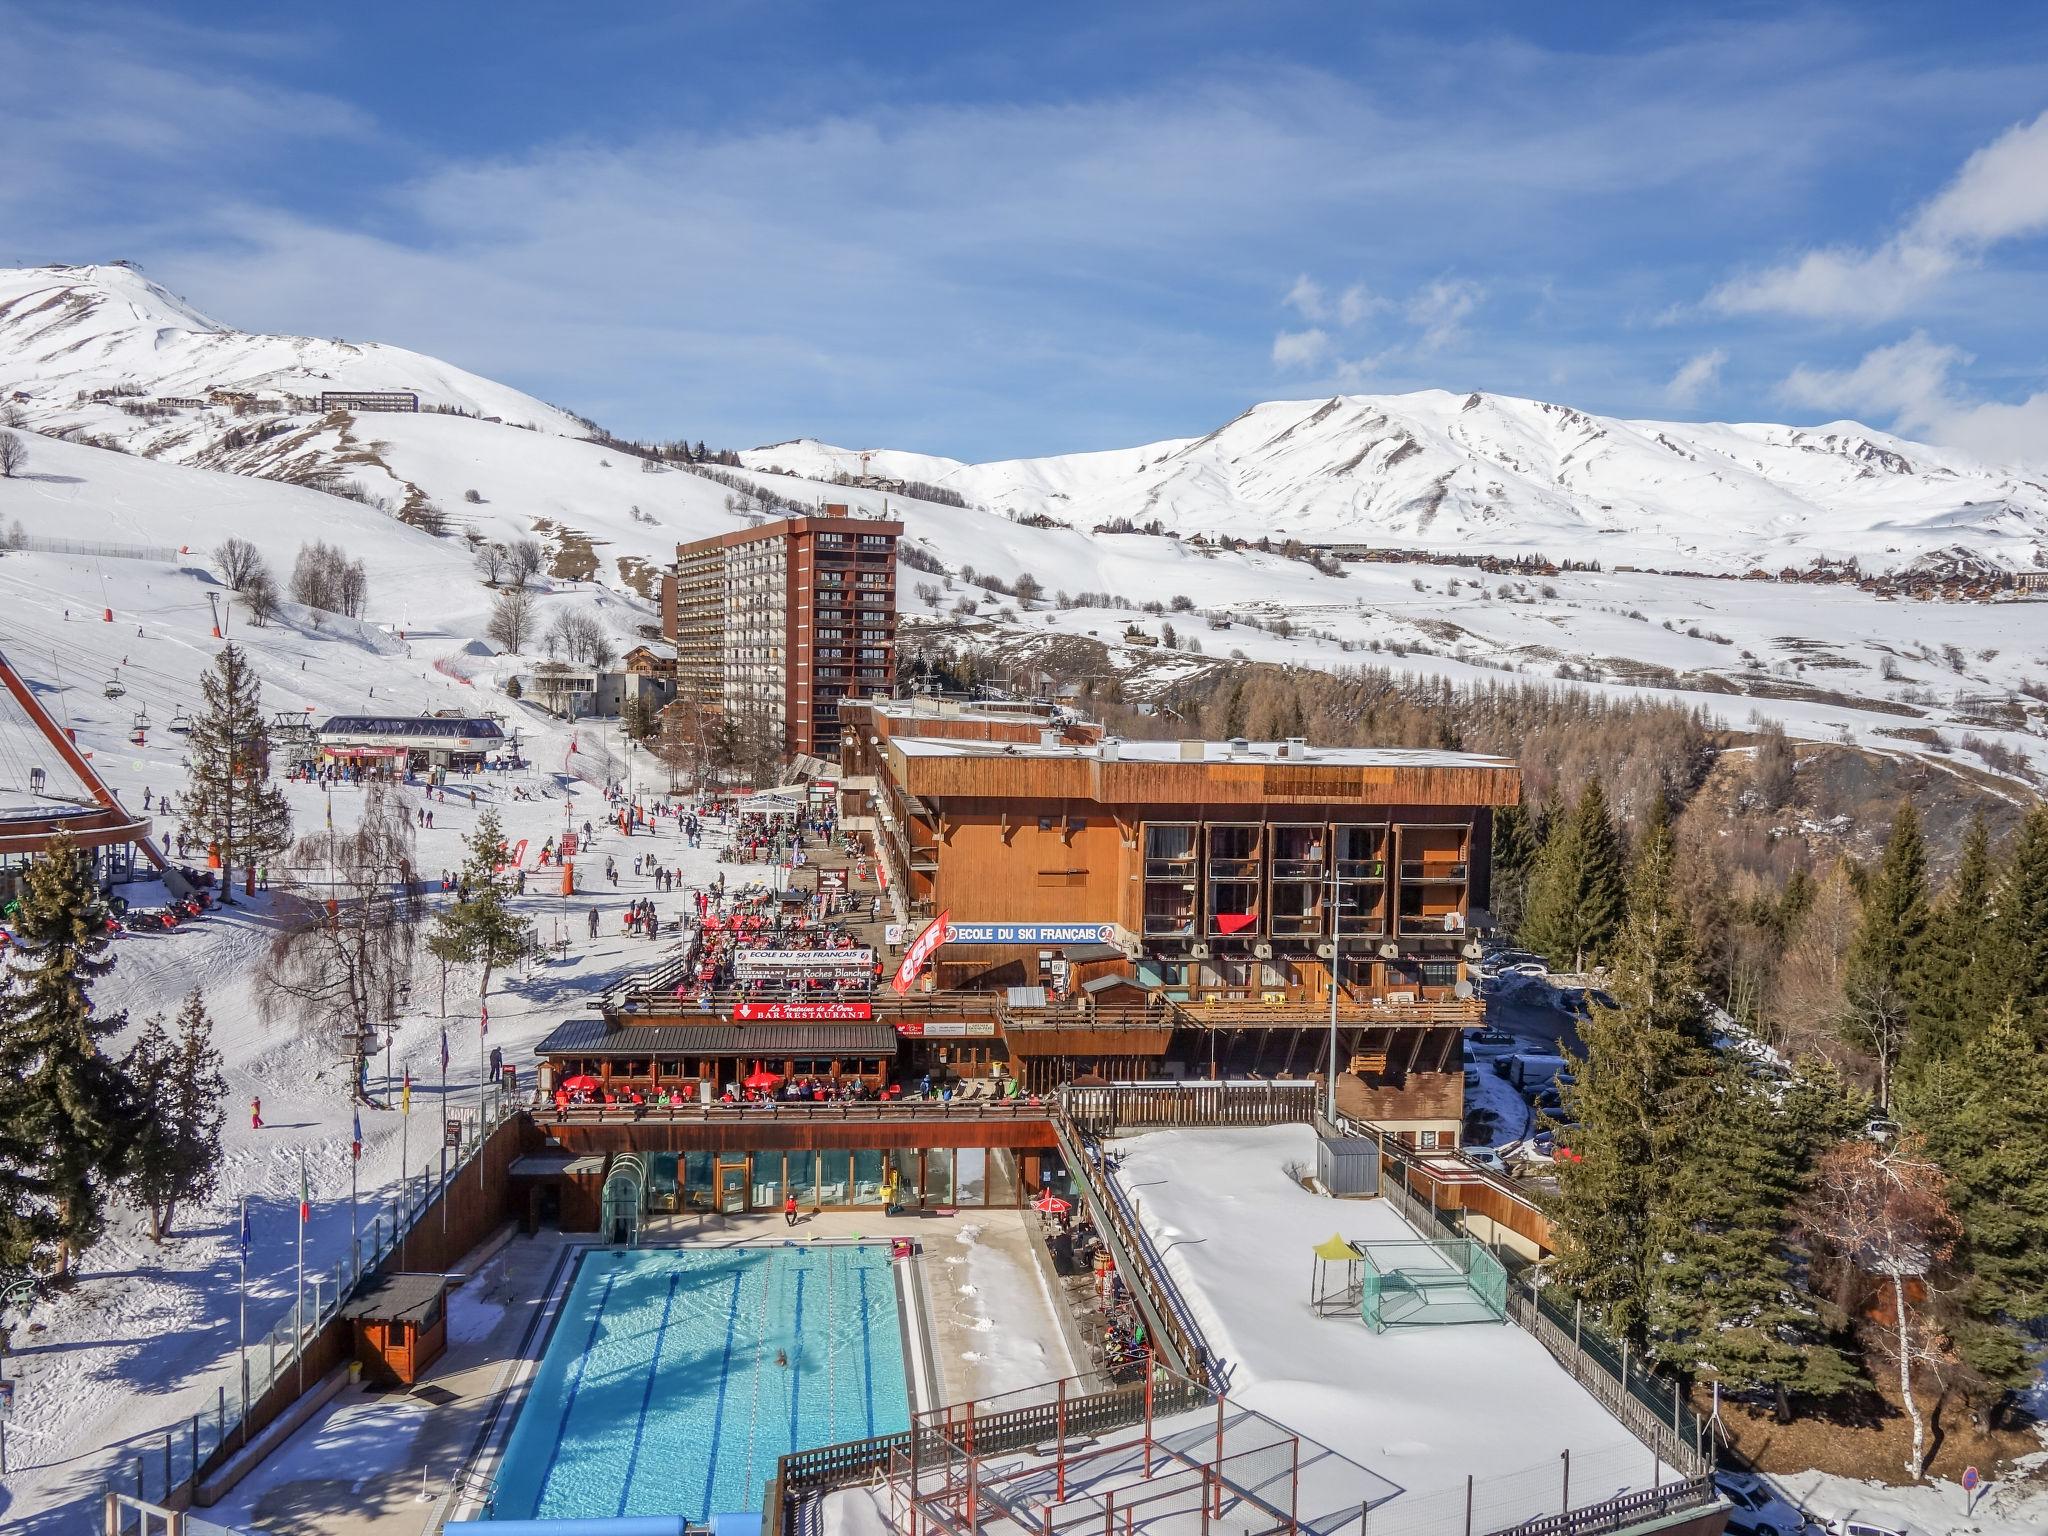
(778, 623)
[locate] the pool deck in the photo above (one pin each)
(389, 1463)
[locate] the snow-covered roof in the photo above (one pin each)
(1202, 752)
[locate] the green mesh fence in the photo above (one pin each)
(1430, 1282)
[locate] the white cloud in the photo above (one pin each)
(1911, 383)
(1696, 375)
(1441, 308)
(2000, 193)
(1356, 303)
(1299, 351)
(1306, 298)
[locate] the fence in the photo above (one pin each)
(1137, 1106)
(37, 544)
(435, 1219)
(1652, 1409)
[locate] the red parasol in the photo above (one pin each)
(1051, 1204)
(761, 1077)
(582, 1083)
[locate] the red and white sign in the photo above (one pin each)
(921, 950)
(742, 1012)
(946, 1029)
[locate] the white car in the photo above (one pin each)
(1487, 1158)
(1759, 1511)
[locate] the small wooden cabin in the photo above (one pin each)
(401, 1326)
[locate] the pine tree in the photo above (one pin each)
(230, 801)
(64, 1108)
(1980, 1112)
(1949, 1001)
(1631, 1122)
(1514, 850)
(1576, 893)
(480, 928)
(180, 1094)
(1888, 960)
(2017, 956)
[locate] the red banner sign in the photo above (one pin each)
(922, 948)
(742, 1012)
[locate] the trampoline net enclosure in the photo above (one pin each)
(1430, 1281)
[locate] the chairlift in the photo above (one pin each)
(138, 733)
(114, 688)
(181, 724)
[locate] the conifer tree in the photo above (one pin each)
(180, 1094)
(1950, 999)
(64, 1107)
(1576, 893)
(2017, 958)
(1630, 1105)
(230, 801)
(480, 928)
(1887, 962)
(1514, 850)
(1980, 1112)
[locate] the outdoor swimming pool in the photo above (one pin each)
(675, 1378)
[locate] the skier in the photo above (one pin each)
(256, 1114)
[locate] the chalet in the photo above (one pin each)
(2030, 583)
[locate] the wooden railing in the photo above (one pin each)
(1122, 1107)
(795, 1111)
(1621, 1512)
(1238, 1011)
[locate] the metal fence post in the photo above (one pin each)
(1567, 1480)
(1468, 1504)
(167, 1464)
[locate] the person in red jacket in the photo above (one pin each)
(789, 1209)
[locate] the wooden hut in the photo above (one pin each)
(401, 1326)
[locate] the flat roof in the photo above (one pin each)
(1210, 752)
(415, 726)
(405, 1298)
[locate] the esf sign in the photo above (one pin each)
(1018, 933)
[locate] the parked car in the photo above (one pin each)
(1759, 1510)
(1493, 1037)
(1487, 1158)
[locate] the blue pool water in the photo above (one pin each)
(675, 1378)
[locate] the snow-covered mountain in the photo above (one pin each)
(1483, 473)
(68, 334)
(152, 396)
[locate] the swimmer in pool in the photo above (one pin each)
(782, 1358)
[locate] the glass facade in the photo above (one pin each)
(867, 1177)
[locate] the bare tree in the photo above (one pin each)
(259, 597)
(13, 454)
(524, 557)
(1882, 1211)
(578, 636)
(238, 560)
(351, 931)
(324, 577)
(682, 744)
(490, 561)
(511, 622)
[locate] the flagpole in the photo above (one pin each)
(404, 1175)
(355, 1241)
(242, 1299)
(444, 1131)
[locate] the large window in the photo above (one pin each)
(867, 1177)
(1002, 1177)
(905, 1161)
(765, 1174)
(801, 1179)
(938, 1175)
(833, 1185)
(970, 1176)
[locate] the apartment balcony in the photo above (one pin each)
(1235, 869)
(1427, 870)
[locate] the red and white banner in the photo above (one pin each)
(741, 1012)
(921, 950)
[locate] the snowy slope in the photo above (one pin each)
(1490, 473)
(67, 332)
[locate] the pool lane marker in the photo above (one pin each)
(796, 1360)
(582, 1359)
(732, 1323)
(867, 1354)
(647, 1394)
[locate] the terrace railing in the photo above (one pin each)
(162, 1466)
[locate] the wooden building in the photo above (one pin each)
(401, 1326)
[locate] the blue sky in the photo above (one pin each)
(990, 231)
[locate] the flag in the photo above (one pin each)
(444, 1047)
(245, 1229)
(330, 811)
(356, 1143)
(921, 950)
(305, 1196)
(405, 1094)
(483, 1020)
